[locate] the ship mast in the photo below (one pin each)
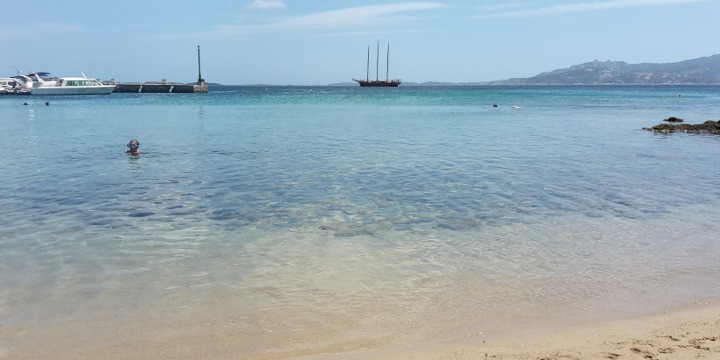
(367, 71)
(387, 65)
(377, 62)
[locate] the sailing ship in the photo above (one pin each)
(377, 82)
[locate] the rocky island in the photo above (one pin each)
(708, 127)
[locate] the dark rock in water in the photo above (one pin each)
(708, 127)
(674, 119)
(141, 214)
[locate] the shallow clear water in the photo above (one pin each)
(299, 218)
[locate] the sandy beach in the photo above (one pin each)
(692, 333)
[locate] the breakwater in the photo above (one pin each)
(162, 87)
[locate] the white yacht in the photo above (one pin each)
(41, 83)
(67, 86)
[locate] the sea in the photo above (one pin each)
(279, 221)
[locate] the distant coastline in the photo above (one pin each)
(703, 71)
(698, 71)
(457, 84)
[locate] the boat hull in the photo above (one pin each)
(73, 90)
(379, 83)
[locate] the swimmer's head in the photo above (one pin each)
(133, 144)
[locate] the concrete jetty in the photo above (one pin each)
(163, 86)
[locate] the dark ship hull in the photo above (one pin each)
(378, 83)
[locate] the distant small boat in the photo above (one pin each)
(377, 82)
(41, 84)
(12, 86)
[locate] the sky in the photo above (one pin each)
(319, 42)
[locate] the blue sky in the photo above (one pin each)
(309, 42)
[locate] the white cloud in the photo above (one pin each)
(348, 18)
(267, 4)
(363, 17)
(355, 16)
(53, 28)
(584, 7)
(497, 7)
(39, 29)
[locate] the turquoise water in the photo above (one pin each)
(307, 218)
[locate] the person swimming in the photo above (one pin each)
(134, 147)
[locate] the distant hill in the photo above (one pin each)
(700, 71)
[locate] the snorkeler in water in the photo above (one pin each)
(134, 147)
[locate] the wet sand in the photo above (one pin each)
(692, 333)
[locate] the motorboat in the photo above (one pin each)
(74, 86)
(42, 84)
(9, 86)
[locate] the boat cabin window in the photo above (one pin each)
(80, 83)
